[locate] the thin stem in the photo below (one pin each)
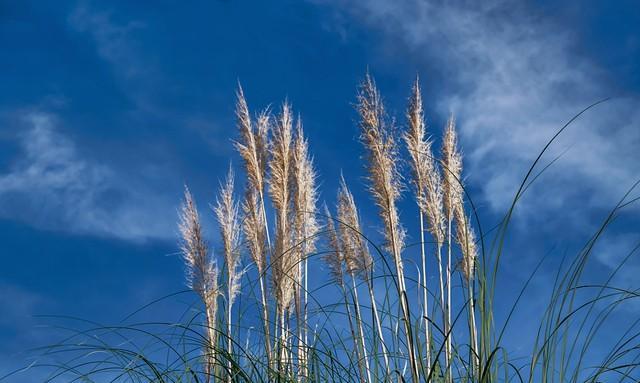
(442, 291)
(210, 348)
(229, 340)
(472, 329)
(283, 340)
(374, 307)
(402, 294)
(298, 304)
(265, 314)
(263, 286)
(448, 322)
(306, 318)
(353, 331)
(356, 302)
(425, 294)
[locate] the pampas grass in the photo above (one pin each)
(303, 335)
(376, 133)
(226, 211)
(336, 259)
(201, 272)
(452, 190)
(284, 259)
(253, 148)
(356, 255)
(305, 228)
(423, 168)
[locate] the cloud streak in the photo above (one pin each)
(51, 186)
(513, 80)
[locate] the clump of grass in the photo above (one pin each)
(364, 338)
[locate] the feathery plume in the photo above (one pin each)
(253, 148)
(382, 161)
(283, 271)
(304, 227)
(226, 211)
(305, 193)
(193, 246)
(201, 272)
(253, 142)
(466, 238)
(334, 259)
(382, 164)
(356, 253)
(452, 190)
(426, 176)
(253, 228)
(434, 201)
(452, 164)
(428, 195)
(417, 144)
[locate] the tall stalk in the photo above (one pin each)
(253, 148)
(201, 274)
(226, 211)
(284, 260)
(374, 309)
(425, 296)
(466, 239)
(442, 292)
(385, 186)
(447, 329)
(305, 228)
(336, 259)
(356, 303)
(452, 189)
(419, 151)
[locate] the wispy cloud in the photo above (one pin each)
(513, 78)
(113, 40)
(51, 186)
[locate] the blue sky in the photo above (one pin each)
(108, 108)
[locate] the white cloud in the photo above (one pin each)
(50, 185)
(612, 251)
(113, 40)
(512, 80)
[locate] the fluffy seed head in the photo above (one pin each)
(426, 176)
(452, 169)
(466, 238)
(356, 253)
(417, 144)
(226, 211)
(335, 258)
(433, 201)
(284, 265)
(252, 145)
(378, 138)
(201, 271)
(253, 228)
(305, 194)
